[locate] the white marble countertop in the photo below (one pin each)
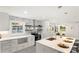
(53, 44)
(14, 37)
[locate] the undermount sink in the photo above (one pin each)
(52, 38)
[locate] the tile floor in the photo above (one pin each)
(31, 49)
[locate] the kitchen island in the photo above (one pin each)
(59, 45)
(16, 43)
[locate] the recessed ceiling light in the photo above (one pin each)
(25, 12)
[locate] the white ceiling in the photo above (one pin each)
(43, 12)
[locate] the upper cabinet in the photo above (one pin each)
(4, 21)
(17, 27)
(34, 25)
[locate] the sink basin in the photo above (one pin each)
(50, 39)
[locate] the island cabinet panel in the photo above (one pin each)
(25, 42)
(22, 43)
(6, 46)
(0, 47)
(31, 40)
(13, 45)
(44, 49)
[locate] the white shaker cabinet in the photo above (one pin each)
(22, 43)
(6, 46)
(31, 40)
(15, 44)
(0, 47)
(25, 42)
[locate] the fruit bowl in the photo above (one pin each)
(67, 41)
(62, 45)
(69, 38)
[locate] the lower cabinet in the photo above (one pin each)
(44, 49)
(25, 42)
(22, 43)
(31, 40)
(6, 46)
(13, 45)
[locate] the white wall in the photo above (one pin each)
(49, 14)
(44, 12)
(4, 22)
(72, 29)
(76, 30)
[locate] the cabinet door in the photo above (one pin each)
(44, 49)
(6, 46)
(0, 46)
(31, 40)
(22, 43)
(14, 45)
